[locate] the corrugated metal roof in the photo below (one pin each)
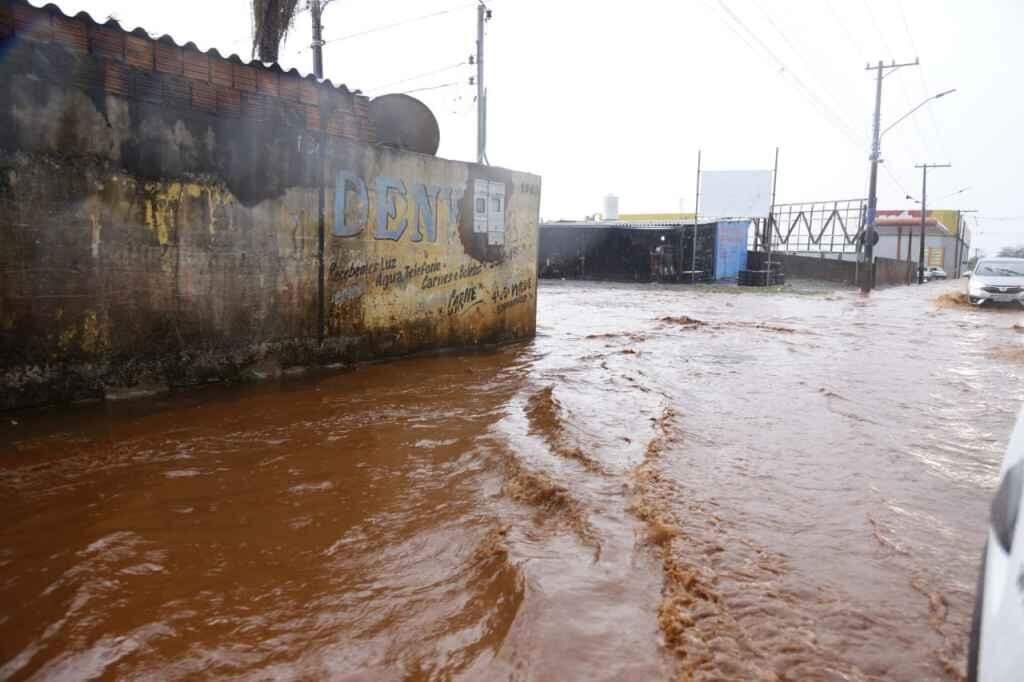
(166, 39)
(625, 224)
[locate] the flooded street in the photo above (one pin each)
(668, 483)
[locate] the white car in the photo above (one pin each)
(997, 280)
(995, 652)
(934, 273)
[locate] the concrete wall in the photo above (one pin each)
(888, 272)
(160, 215)
(807, 267)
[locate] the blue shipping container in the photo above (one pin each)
(730, 248)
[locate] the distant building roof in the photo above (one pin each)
(893, 225)
(630, 217)
(625, 224)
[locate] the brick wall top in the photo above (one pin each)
(208, 81)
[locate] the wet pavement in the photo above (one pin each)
(668, 483)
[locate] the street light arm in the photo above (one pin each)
(907, 115)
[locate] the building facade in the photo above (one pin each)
(171, 217)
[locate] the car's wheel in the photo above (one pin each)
(974, 643)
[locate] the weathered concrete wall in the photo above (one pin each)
(160, 220)
(891, 272)
(888, 272)
(807, 267)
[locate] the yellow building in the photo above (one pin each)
(656, 217)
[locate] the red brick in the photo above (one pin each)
(334, 125)
(70, 33)
(89, 74)
(295, 113)
(229, 101)
(244, 77)
(197, 66)
(6, 21)
(176, 90)
(106, 42)
(312, 117)
(146, 86)
(168, 59)
(266, 82)
(255, 106)
(334, 101)
(32, 23)
(115, 78)
(138, 51)
(220, 72)
(288, 88)
(204, 97)
(309, 92)
(349, 128)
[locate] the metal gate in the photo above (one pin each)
(812, 227)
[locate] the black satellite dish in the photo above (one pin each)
(406, 123)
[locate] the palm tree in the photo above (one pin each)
(271, 21)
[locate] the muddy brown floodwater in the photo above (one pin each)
(668, 483)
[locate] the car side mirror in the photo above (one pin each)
(969, 273)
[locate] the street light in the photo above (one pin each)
(904, 116)
(870, 234)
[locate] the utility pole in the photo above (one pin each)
(876, 149)
(771, 213)
(316, 11)
(696, 218)
(924, 213)
(482, 16)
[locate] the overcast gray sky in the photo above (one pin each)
(609, 97)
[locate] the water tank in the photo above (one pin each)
(611, 207)
(406, 123)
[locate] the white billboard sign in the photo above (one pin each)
(735, 194)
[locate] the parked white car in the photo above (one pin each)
(995, 653)
(934, 273)
(997, 280)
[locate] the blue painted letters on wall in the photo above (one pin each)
(341, 226)
(395, 207)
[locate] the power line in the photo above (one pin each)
(432, 87)
(885, 43)
(878, 29)
(396, 24)
(924, 81)
(857, 47)
(798, 52)
(917, 126)
(418, 76)
(893, 177)
(836, 120)
(888, 48)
